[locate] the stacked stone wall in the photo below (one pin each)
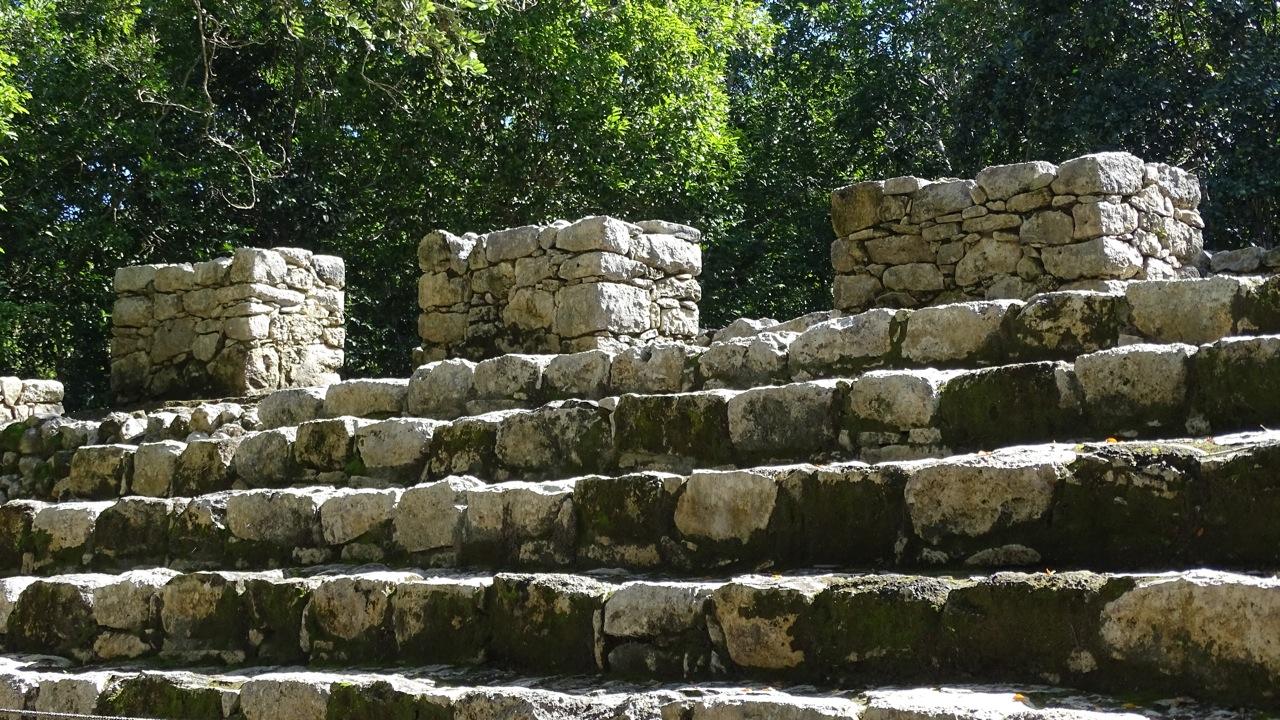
(595, 283)
(1014, 231)
(257, 321)
(21, 399)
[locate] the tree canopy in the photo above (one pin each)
(175, 130)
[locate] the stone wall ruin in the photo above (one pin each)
(247, 324)
(21, 399)
(1013, 231)
(598, 283)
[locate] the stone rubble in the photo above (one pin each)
(598, 282)
(254, 322)
(1121, 506)
(1017, 230)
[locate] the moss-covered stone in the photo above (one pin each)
(1024, 627)
(1239, 501)
(163, 696)
(132, 530)
(878, 627)
(53, 617)
(673, 431)
(465, 447)
(198, 532)
(205, 467)
(546, 622)
(622, 521)
(15, 532)
(850, 515)
(204, 613)
(382, 700)
(1062, 325)
(1007, 405)
(1125, 506)
(561, 439)
(1236, 383)
(274, 612)
(440, 622)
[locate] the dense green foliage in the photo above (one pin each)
(177, 129)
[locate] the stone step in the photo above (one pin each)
(1112, 506)
(1051, 326)
(447, 693)
(1203, 633)
(1133, 391)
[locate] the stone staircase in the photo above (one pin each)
(1054, 508)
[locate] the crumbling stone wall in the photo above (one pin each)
(21, 399)
(1014, 231)
(257, 321)
(599, 282)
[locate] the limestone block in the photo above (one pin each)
(64, 531)
(643, 609)
(395, 448)
(962, 332)
(973, 495)
(350, 514)
(913, 277)
(1103, 218)
(441, 290)
(1180, 186)
(255, 265)
(439, 251)
(370, 398)
(856, 207)
(896, 400)
(266, 458)
(673, 430)
(97, 471)
(519, 522)
(512, 377)
(594, 307)
(747, 362)
(1065, 324)
(1106, 173)
(1047, 227)
(1241, 260)
(205, 466)
(759, 617)
(564, 437)
(987, 259)
(1190, 311)
(441, 389)
(1201, 626)
(899, 250)
(327, 444)
(1235, 381)
(847, 343)
(578, 375)
(154, 465)
(668, 253)
(291, 406)
(940, 198)
(1136, 386)
(546, 621)
(511, 243)
(131, 312)
(284, 518)
(599, 232)
(430, 516)
(133, 530)
(1001, 182)
(662, 367)
(856, 292)
(786, 422)
(1103, 257)
(724, 506)
(134, 279)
